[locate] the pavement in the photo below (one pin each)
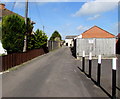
(55, 74)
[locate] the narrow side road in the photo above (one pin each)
(52, 75)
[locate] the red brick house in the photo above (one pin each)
(118, 36)
(96, 40)
(4, 12)
(118, 44)
(96, 32)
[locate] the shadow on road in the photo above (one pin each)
(73, 51)
(95, 82)
(46, 50)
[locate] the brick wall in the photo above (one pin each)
(96, 32)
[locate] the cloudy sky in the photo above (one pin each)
(68, 17)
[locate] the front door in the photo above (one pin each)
(66, 44)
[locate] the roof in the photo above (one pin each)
(97, 32)
(5, 12)
(71, 36)
(118, 35)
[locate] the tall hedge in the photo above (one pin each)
(13, 32)
(54, 35)
(37, 40)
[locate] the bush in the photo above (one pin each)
(37, 40)
(13, 32)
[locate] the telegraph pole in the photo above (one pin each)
(43, 28)
(25, 38)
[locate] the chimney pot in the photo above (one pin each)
(2, 6)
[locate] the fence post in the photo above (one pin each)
(83, 62)
(52, 45)
(90, 64)
(114, 63)
(99, 70)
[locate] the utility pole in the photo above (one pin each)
(25, 38)
(43, 28)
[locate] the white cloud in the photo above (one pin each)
(20, 4)
(107, 0)
(95, 7)
(68, 24)
(82, 28)
(94, 17)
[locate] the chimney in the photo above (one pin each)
(2, 6)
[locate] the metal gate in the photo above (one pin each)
(53, 45)
(103, 46)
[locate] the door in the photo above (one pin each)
(66, 44)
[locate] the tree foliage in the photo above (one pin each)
(0, 30)
(37, 40)
(29, 26)
(13, 32)
(54, 35)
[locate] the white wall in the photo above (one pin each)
(69, 41)
(2, 50)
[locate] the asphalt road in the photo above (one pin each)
(106, 74)
(52, 75)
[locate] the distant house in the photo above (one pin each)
(96, 32)
(118, 44)
(2, 50)
(118, 36)
(69, 40)
(96, 40)
(4, 12)
(57, 39)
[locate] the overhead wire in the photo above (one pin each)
(40, 18)
(13, 5)
(38, 14)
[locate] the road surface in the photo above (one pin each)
(52, 75)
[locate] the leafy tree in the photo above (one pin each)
(13, 31)
(38, 40)
(30, 42)
(29, 27)
(0, 30)
(55, 35)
